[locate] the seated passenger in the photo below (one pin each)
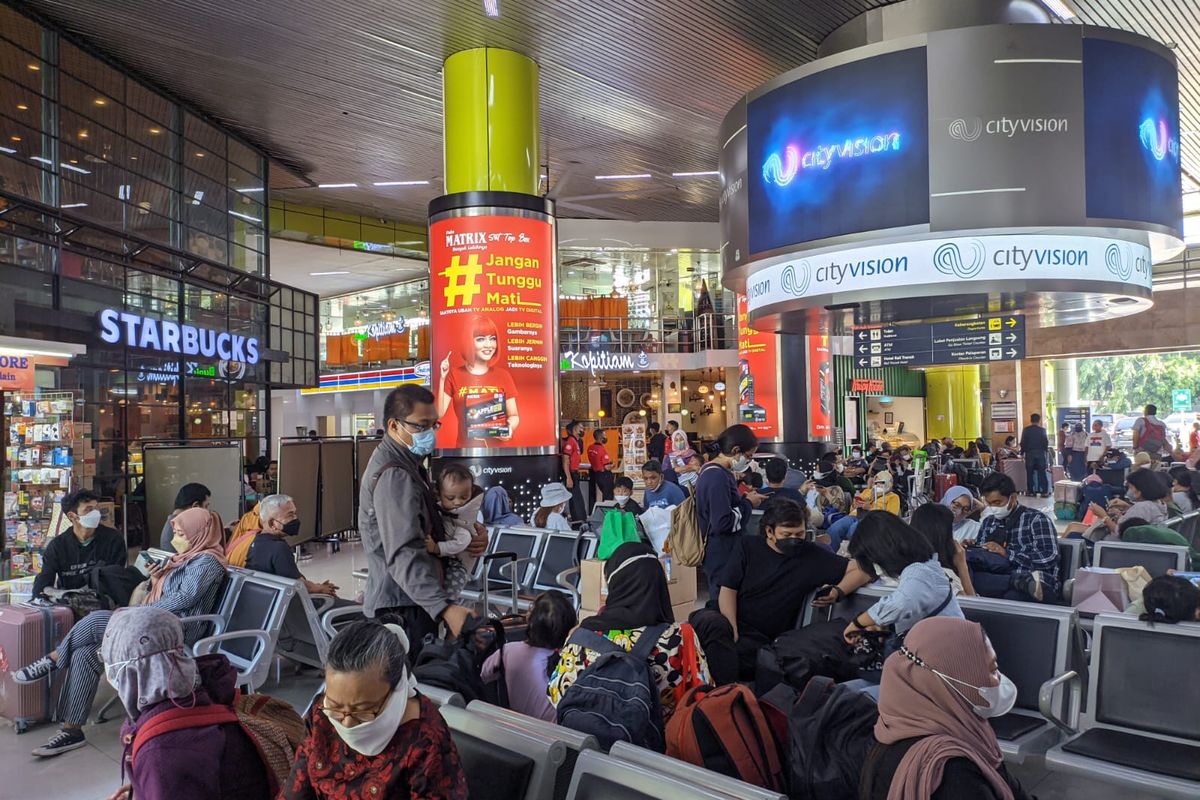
(369, 733)
(270, 553)
(497, 509)
(1183, 489)
(187, 585)
(660, 492)
(878, 496)
(1146, 495)
(763, 590)
(933, 739)
(1170, 599)
(966, 509)
(550, 515)
(1018, 559)
(1139, 531)
(1009, 449)
(146, 661)
(832, 504)
(623, 495)
(637, 599)
(70, 556)
(190, 495)
(528, 665)
(777, 470)
(831, 472)
(936, 523)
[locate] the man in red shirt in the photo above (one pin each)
(600, 462)
(571, 452)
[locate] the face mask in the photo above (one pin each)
(621, 499)
(908, 458)
(180, 542)
(856, 454)
(999, 700)
(789, 546)
(839, 467)
(422, 445)
(370, 738)
(91, 519)
(999, 512)
(881, 488)
(740, 464)
(291, 528)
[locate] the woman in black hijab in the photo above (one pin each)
(637, 600)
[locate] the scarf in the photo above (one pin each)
(203, 530)
(145, 658)
(497, 508)
(914, 702)
(637, 591)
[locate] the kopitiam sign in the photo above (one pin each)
(164, 336)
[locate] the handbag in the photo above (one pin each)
(1098, 590)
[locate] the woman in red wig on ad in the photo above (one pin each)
(482, 393)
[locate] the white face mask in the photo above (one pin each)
(999, 512)
(998, 700)
(740, 464)
(856, 454)
(621, 499)
(370, 738)
(881, 488)
(91, 519)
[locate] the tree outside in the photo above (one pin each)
(1121, 384)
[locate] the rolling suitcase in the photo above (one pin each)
(27, 633)
(514, 622)
(1015, 469)
(941, 483)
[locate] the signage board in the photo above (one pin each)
(492, 315)
(866, 386)
(1181, 399)
(371, 379)
(165, 336)
(602, 361)
(1004, 411)
(758, 378)
(973, 341)
(16, 372)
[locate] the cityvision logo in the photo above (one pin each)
(796, 278)
(971, 128)
(602, 361)
(1156, 137)
(781, 170)
(949, 260)
(1123, 263)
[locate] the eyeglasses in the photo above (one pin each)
(416, 427)
(356, 717)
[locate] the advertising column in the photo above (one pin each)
(493, 324)
(758, 378)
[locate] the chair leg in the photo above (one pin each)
(102, 716)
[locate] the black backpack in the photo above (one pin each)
(456, 665)
(616, 698)
(796, 656)
(831, 729)
(116, 583)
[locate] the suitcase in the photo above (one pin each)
(1015, 469)
(27, 633)
(942, 483)
(1057, 474)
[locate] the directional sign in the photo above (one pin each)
(1181, 399)
(973, 341)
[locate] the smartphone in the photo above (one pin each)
(823, 592)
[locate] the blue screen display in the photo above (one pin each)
(842, 151)
(1131, 134)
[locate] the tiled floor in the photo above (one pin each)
(94, 772)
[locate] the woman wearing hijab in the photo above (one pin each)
(370, 735)
(933, 740)
(966, 509)
(682, 462)
(637, 599)
(186, 585)
(497, 508)
(877, 496)
(146, 661)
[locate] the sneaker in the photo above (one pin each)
(1031, 584)
(61, 742)
(35, 671)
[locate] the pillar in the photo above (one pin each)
(1066, 382)
(952, 403)
(1004, 386)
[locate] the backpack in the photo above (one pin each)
(616, 698)
(1154, 436)
(796, 656)
(272, 725)
(724, 729)
(115, 582)
(686, 541)
(830, 731)
(456, 665)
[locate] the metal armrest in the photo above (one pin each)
(321, 602)
(506, 569)
(561, 580)
(218, 622)
(209, 643)
(1046, 700)
(328, 618)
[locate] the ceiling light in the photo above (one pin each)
(401, 183)
(337, 185)
(100, 101)
(15, 138)
(199, 155)
(34, 68)
(341, 272)
(1059, 9)
(248, 191)
(623, 177)
(83, 134)
(133, 158)
(491, 8)
(156, 131)
(22, 107)
(41, 160)
(695, 174)
(80, 170)
(73, 205)
(246, 217)
(7, 150)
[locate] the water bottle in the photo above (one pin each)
(666, 561)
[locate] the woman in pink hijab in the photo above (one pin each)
(933, 739)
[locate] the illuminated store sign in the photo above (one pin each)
(602, 362)
(377, 330)
(1156, 138)
(781, 171)
(169, 372)
(144, 333)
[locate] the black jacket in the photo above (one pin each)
(66, 563)
(1034, 439)
(961, 779)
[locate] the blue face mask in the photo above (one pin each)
(423, 443)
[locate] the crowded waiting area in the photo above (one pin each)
(504, 400)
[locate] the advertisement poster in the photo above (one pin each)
(494, 373)
(758, 377)
(820, 388)
(633, 449)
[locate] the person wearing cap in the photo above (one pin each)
(878, 496)
(549, 515)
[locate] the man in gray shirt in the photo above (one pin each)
(397, 510)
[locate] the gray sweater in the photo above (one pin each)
(396, 511)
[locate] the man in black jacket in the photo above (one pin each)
(657, 446)
(1035, 447)
(71, 555)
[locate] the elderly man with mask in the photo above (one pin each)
(71, 555)
(271, 553)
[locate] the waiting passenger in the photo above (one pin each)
(190, 495)
(936, 523)
(1183, 489)
(832, 469)
(1009, 449)
(722, 513)
(529, 665)
(549, 515)
(684, 464)
(623, 495)
(933, 739)
(1018, 559)
(1171, 599)
(270, 553)
(966, 509)
(146, 661)
(70, 556)
(776, 472)
(369, 733)
(832, 504)
(498, 510)
(637, 599)
(1146, 493)
(187, 585)
(660, 492)
(878, 496)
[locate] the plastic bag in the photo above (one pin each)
(1135, 579)
(657, 522)
(619, 527)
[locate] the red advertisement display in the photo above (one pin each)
(758, 377)
(820, 388)
(492, 307)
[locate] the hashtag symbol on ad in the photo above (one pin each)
(462, 282)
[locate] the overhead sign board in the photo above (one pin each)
(973, 341)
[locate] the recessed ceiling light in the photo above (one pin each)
(22, 107)
(623, 177)
(337, 185)
(41, 160)
(15, 138)
(491, 8)
(246, 217)
(83, 134)
(249, 191)
(197, 197)
(73, 205)
(100, 101)
(199, 155)
(401, 183)
(695, 174)
(34, 68)
(156, 131)
(7, 150)
(342, 272)
(80, 170)
(1059, 8)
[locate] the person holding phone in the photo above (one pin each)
(71, 555)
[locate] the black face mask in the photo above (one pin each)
(291, 528)
(790, 545)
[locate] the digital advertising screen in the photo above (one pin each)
(820, 387)
(842, 151)
(492, 302)
(1131, 134)
(758, 377)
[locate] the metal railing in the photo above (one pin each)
(666, 335)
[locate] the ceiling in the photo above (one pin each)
(350, 91)
(297, 264)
